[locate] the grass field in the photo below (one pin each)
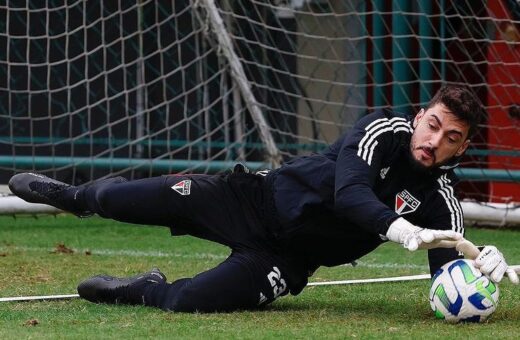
(31, 263)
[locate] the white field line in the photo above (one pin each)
(328, 283)
(390, 265)
(122, 252)
(310, 284)
(134, 253)
(377, 280)
(39, 298)
(206, 256)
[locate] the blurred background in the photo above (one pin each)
(140, 88)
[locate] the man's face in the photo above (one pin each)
(438, 136)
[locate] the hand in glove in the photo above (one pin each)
(492, 263)
(413, 237)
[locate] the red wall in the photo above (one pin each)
(503, 80)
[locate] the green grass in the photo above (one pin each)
(29, 266)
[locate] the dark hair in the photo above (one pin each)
(462, 102)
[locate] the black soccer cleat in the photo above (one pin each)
(36, 188)
(113, 290)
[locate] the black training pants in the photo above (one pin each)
(228, 209)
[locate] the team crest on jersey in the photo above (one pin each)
(405, 203)
(183, 187)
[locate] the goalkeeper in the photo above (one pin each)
(388, 179)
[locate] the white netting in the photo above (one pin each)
(90, 88)
(146, 87)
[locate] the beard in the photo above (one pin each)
(421, 168)
(417, 166)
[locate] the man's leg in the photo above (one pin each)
(245, 280)
(141, 201)
(203, 206)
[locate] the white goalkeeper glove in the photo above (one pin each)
(413, 237)
(492, 263)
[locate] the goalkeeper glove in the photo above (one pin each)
(413, 237)
(492, 263)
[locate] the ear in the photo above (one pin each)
(462, 148)
(418, 117)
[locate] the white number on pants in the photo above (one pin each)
(277, 282)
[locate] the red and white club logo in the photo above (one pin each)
(183, 187)
(405, 203)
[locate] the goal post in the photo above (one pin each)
(140, 88)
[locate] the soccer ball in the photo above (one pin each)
(459, 292)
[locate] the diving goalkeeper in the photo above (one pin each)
(389, 179)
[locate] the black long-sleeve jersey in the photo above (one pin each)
(336, 206)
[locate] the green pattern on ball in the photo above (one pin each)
(443, 297)
(438, 314)
(487, 291)
(469, 277)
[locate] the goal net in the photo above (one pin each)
(139, 88)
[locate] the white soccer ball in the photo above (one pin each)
(460, 292)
